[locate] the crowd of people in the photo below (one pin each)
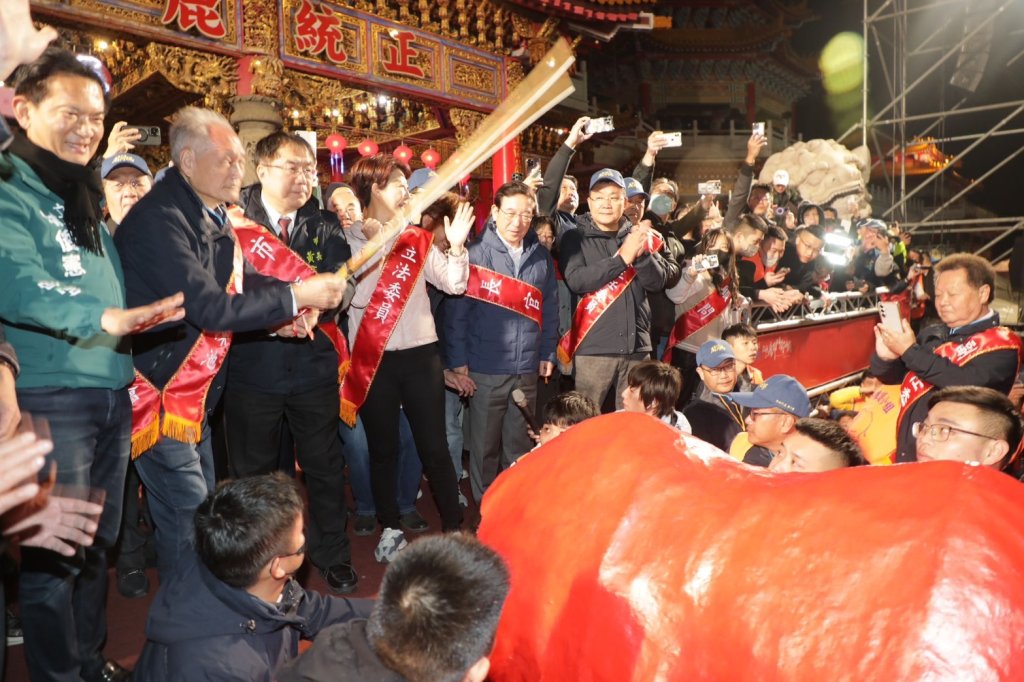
(135, 303)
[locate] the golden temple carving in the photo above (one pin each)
(260, 26)
(465, 122)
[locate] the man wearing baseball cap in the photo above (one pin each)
(636, 200)
(874, 262)
(611, 264)
(126, 179)
(715, 418)
(772, 411)
(782, 194)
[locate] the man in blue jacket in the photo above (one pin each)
(503, 332)
(233, 610)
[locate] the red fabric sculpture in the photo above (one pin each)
(636, 556)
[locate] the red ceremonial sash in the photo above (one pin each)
(271, 258)
(400, 271)
(592, 306)
(506, 292)
(698, 317)
(996, 338)
(177, 411)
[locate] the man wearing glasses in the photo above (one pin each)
(799, 257)
(969, 424)
(969, 348)
(126, 179)
(712, 414)
(233, 610)
(503, 333)
(287, 378)
(774, 408)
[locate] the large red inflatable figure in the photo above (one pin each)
(636, 556)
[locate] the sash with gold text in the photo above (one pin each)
(271, 258)
(592, 306)
(400, 270)
(506, 292)
(996, 338)
(177, 411)
(699, 316)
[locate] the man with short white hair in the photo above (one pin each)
(343, 203)
(178, 237)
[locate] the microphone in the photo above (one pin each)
(519, 398)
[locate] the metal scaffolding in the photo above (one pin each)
(929, 56)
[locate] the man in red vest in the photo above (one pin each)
(969, 349)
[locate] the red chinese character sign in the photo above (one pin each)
(663, 559)
(400, 55)
(318, 31)
(204, 16)
(326, 37)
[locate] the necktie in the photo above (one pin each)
(283, 223)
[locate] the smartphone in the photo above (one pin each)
(889, 311)
(599, 125)
(782, 271)
(149, 135)
(532, 165)
(710, 188)
(702, 263)
(759, 128)
(673, 139)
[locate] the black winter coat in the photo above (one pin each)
(588, 259)
(200, 628)
(996, 370)
(168, 243)
(272, 364)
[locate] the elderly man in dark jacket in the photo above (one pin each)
(969, 348)
(503, 332)
(178, 238)
(233, 610)
(612, 265)
(278, 379)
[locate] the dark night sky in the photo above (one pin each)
(999, 84)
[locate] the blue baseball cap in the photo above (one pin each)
(635, 188)
(780, 391)
(714, 352)
(420, 177)
(125, 160)
(607, 175)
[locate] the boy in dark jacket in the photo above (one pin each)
(232, 610)
(435, 619)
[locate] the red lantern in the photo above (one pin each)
(402, 153)
(368, 147)
(336, 143)
(430, 158)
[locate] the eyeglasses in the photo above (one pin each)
(940, 432)
(300, 550)
(755, 415)
(721, 370)
(523, 217)
(309, 171)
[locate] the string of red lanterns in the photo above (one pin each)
(336, 144)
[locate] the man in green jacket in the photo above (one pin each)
(63, 311)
